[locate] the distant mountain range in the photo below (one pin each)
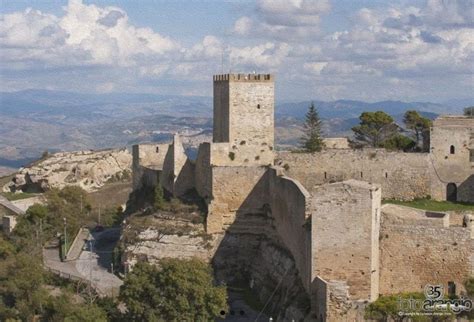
(33, 121)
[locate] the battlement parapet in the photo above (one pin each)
(244, 78)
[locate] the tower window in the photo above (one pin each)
(452, 149)
(258, 106)
(157, 149)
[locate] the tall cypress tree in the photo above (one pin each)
(312, 140)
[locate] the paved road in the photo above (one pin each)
(51, 260)
(91, 266)
(78, 244)
(94, 263)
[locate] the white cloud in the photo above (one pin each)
(85, 35)
(283, 19)
(400, 52)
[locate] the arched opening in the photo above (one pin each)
(451, 192)
(452, 149)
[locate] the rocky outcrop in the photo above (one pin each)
(88, 169)
(158, 236)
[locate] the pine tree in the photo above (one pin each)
(312, 140)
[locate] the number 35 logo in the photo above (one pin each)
(434, 292)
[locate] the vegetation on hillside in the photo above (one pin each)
(179, 290)
(312, 140)
(27, 291)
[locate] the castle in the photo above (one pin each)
(323, 209)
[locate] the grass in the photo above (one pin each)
(17, 196)
(433, 205)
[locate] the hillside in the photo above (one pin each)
(33, 121)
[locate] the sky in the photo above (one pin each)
(371, 50)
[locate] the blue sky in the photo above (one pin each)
(318, 49)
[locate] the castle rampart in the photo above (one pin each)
(404, 176)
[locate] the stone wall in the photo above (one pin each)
(452, 155)
(234, 190)
(401, 175)
(419, 248)
(336, 143)
(244, 117)
(147, 161)
(332, 303)
(288, 201)
(177, 176)
(241, 154)
(345, 220)
(203, 172)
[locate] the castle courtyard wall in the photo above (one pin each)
(403, 176)
(419, 248)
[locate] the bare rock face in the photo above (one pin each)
(158, 236)
(88, 169)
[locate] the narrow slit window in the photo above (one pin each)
(452, 149)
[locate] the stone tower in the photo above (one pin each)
(452, 155)
(244, 116)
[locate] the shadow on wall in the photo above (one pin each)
(465, 191)
(251, 259)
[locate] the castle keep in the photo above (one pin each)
(323, 211)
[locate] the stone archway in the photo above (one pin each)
(451, 192)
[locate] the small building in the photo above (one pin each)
(9, 213)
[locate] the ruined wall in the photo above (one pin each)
(147, 161)
(452, 155)
(419, 248)
(177, 176)
(288, 201)
(203, 172)
(332, 303)
(234, 190)
(336, 143)
(345, 236)
(401, 175)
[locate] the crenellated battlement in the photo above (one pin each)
(244, 78)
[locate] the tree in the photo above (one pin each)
(158, 199)
(312, 140)
(179, 290)
(399, 142)
(375, 128)
(469, 111)
(420, 126)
